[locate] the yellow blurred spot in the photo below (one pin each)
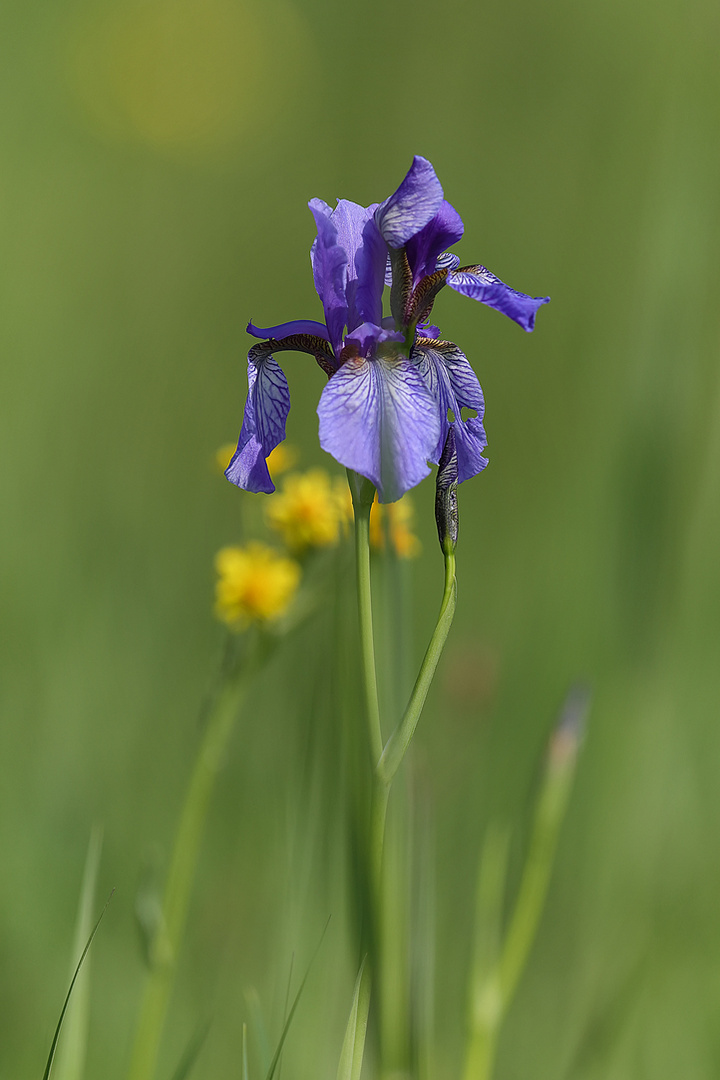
(394, 521)
(306, 512)
(387, 520)
(255, 584)
(179, 74)
(223, 456)
(282, 458)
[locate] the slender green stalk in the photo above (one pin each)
(158, 987)
(399, 741)
(386, 759)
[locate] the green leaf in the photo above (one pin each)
(353, 1047)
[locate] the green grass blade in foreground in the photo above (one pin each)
(244, 1054)
(56, 1036)
(493, 992)
(286, 1027)
(353, 1047)
(73, 1050)
(192, 1053)
(485, 1006)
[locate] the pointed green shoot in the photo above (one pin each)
(245, 1070)
(353, 1047)
(56, 1036)
(286, 1026)
(192, 1052)
(72, 1052)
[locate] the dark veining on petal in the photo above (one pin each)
(401, 289)
(306, 343)
(422, 300)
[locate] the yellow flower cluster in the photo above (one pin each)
(255, 584)
(307, 512)
(313, 511)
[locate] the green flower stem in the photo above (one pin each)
(396, 748)
(158, 987)
(386, 759)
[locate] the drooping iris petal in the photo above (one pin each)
(412, 206)
(441, 232)
(299, 326)
(454, 385)
(330, 265)
(478, 283)
(378, 417)
(263, 428)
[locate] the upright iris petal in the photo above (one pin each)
(412, 206)
(441, 232)
(330, 265)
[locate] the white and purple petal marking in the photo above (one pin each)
(454, 385)
(266, 411)
(378, 417)
(479, 284)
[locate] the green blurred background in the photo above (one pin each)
(158, 156)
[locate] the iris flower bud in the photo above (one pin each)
(446, 503)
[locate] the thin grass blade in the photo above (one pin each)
(288, 1022)
(192, 1052)
(72, 1053)
(353, 1047)
(56, 1036)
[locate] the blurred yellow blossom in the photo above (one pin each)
(307, 511)
(255, 584)
(395, 521)
(282, 458)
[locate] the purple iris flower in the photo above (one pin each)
(395, 387)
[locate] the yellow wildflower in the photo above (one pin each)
(282, 458)
(306, 512)
(255, 584)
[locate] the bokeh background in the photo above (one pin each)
(157, 159)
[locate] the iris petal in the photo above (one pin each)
(479, 284)
(330, 271)
(412, 206)
(454, 385)
(299, 326)
(441, 232)
(263, 428)
(378, 418)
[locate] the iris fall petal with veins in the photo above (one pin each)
(394, 386)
